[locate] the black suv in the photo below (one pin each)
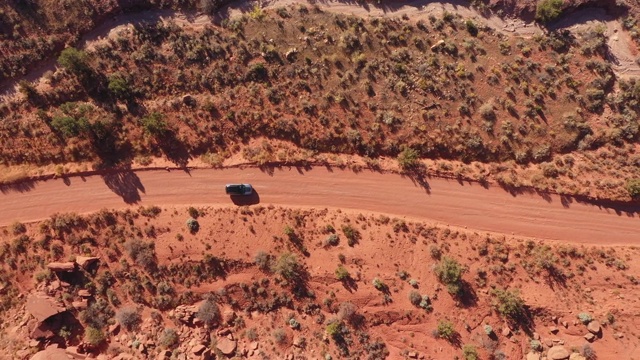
(238, 189)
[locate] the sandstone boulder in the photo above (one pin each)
(594, 327)
(589, 337)
(86, 261)
(533, 356)
(576, 356)
(62, 266)
(226, 346)
(558, 353)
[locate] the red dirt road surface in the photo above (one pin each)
(444, 201)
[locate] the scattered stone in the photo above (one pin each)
(298, 342)
(80, 305)
(565, 324)
(437, 44)
(533, 356)
(164, 355)
(548, 342)
(577, 356)
(536, 336)
(114, 329)
(74, 353)
(226, 346)
(84, 293)
(62, 266)
(558, 353)
(229, 316)
(34, 343)
(618, 335)
(589, 337)
(554, 329)
(506, 332)
(594, 327)
(554, 319)
(413, 355)
(254, 345)
(291, 54)
(198, 349)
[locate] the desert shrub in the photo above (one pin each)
(332, 240)
(18, 228)
(280, 336)
(379, 284)
(536, 345)
(129, 317)
(548, 10)
(73, 60)
(472, 28)
(208, 312)
(487, 111)
(142, 253)
(469, 352)
(352, 234)
(334, 329)
(97, 314)
(154, 124)
(449, 272)
(413, 283)
(69, 126)
(93, 336)
(446, 330)
(588, 352)
(633, 187)
(425, 303)
(342, 273)
(509, 303)
(168, 338)
(193, 225)
(193, 212)
(347, 312)
(585, 318)
(150, 211)
(119, 87)
(435, 252)
(288, 267)
(488, 329)
(415, 298)
(408, 159)
(263, 261)
(252, 334)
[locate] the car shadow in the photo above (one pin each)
(243, 200)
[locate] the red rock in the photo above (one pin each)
(226, 346)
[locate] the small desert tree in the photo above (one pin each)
(169, 338)
(288, 267)
(449, 272)
(73, 60)
(548, 10)
(129, 317)
(208, 312)
(633, 187)
(509, 303)
(93, 336)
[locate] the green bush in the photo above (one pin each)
(288, 267)
(93, 336)
(69, 126)
(509, 303)
(280, 336)
(633, 187)
(352, 234)
(469, 352)
(73, 60)
(379, 284)
(154, 124)
(548, 10)
(193, 225)
(585, 318)
(119, 87)
(342, 273)
(332, 240)
(449, 272)
(408, 159)
(334, 329)
(446, 330)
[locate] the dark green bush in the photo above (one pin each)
(548, 10)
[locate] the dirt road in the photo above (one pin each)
(445, 201)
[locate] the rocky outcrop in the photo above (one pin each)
(51, 353)
(42, 307)
(86, 262)
(594, 327)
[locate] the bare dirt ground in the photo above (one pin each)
(446, 201)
